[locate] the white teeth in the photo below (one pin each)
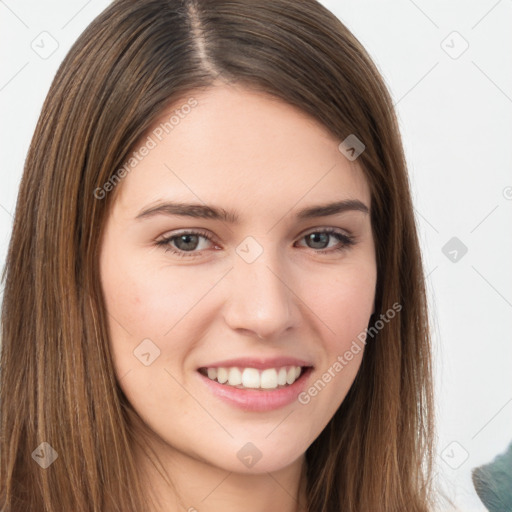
(281, 377)
(251, 378)
(222, 375)
(269, 378)
(235, 377)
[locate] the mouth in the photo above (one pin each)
(248, 378)
(255, 390)
(256, 384)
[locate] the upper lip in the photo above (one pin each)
(259, 363)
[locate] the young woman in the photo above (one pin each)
(214, 296)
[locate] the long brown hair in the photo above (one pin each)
(57, 378)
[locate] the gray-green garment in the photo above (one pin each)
(493, 483)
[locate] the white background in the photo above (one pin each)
(455, 111)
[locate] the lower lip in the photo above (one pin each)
(255, 399)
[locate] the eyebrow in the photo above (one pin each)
(202, 211)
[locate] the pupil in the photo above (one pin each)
(186, 239)
(314, 238)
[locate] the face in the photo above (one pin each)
(269, 303)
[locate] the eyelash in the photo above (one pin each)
(347, 241)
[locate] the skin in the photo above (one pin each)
(245, 151)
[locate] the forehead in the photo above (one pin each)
(240, 148)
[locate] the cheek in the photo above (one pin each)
(345, 303)
(142, 306)
(342, 307)
(146, 301)
(151, 303)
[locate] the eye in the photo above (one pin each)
(186, 243)
(320, 240)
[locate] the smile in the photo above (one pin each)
(252, 378)
(255, 389)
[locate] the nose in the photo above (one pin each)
(261, 299)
